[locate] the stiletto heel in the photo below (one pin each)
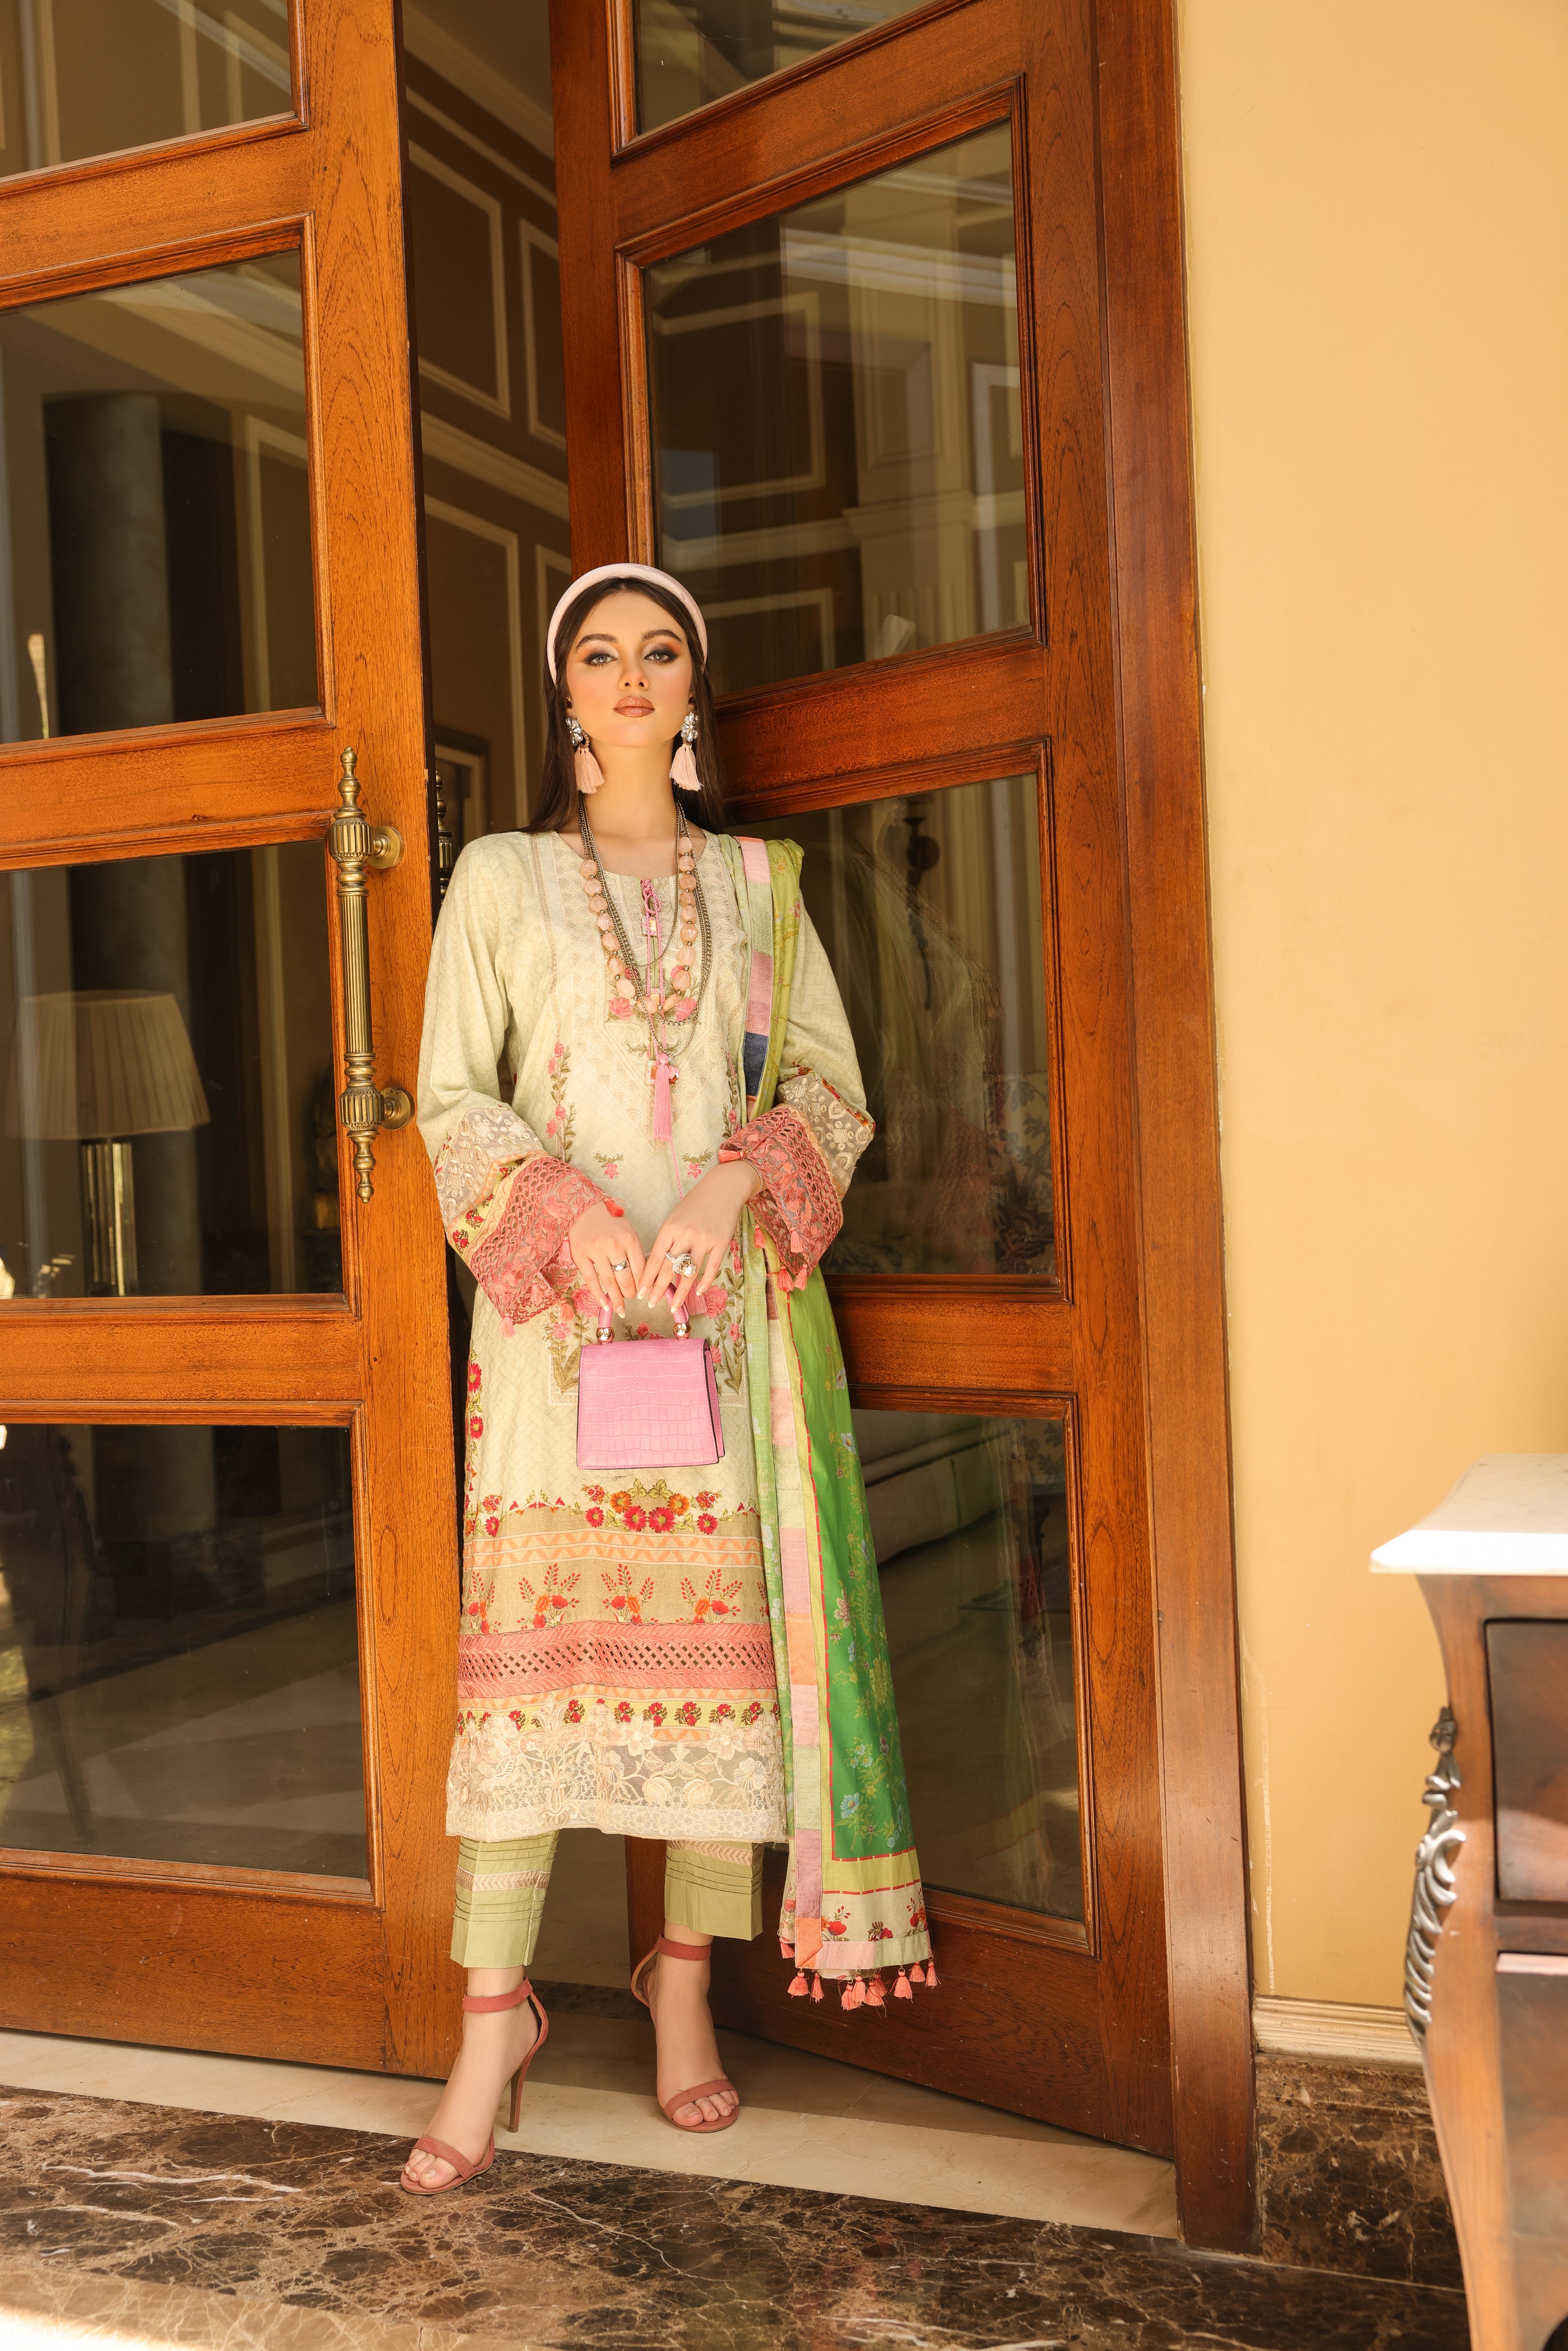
(703, 2089)
(484, 2005)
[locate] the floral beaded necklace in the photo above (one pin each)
(661, 997)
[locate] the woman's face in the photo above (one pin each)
(629, 673)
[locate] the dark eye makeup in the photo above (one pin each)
(599, 654)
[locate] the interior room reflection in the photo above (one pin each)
(690, 52)
(179, 1675)
(480, 196)
(82, 77)
(837, 435)
(155, 559)
(929, 907)
(969, 1521)
(169, 1122)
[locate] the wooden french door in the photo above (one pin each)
(226, 1532)
(834, 353)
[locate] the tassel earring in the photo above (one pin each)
(584, 766)
(682, 767)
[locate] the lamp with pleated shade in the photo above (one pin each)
(97, 1066)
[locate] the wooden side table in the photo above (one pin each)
(1486, 1983)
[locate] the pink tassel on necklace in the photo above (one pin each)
(590, 775)
(662, 1097)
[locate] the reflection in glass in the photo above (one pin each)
(179, 1675)
(166, 1043)
(690, 52)
(91, 76)
(837, 435)
(479, 201)
(969, 1522)
(929, 908)
(155, 507)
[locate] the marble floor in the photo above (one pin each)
(147, 2226)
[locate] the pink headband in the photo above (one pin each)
(623, 571)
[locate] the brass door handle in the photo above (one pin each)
(354, 843)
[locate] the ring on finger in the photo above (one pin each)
(619, 1265)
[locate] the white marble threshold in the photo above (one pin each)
(808, 2122)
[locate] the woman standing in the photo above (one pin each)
(694, 1654)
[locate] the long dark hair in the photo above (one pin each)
(559, 802)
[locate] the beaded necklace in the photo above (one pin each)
(660, 997)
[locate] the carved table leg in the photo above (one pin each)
(1450, 1985)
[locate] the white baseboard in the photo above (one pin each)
(1325, 2028)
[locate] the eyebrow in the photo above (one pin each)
(603, 637)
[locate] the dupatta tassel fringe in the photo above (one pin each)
(799, 1987)
(901, 1989)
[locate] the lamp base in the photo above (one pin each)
(109, 1213)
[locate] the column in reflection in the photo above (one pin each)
(109, 559)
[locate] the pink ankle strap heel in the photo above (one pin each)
(464, 2166)
(667, 1949)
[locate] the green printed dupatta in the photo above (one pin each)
(852, 1899)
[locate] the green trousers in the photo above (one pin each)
(713, 1889)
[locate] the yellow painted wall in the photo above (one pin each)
(1377, 247)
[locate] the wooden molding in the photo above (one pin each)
(1330, 2030)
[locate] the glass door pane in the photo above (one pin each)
(155, 560)
(837, 432)
(82, 77)
(690, 52)
(969, 1522)
(170, 1104)
(929, 907)
(178, 1657)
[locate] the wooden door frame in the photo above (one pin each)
(1180, 1239)
(1153, 557)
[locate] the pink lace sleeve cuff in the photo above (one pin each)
(522, 1262)
(798, 1202)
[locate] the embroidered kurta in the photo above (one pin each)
(616, 1663)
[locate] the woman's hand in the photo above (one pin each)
(608, 1255)
(700, 1228)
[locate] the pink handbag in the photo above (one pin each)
(647, 1404)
